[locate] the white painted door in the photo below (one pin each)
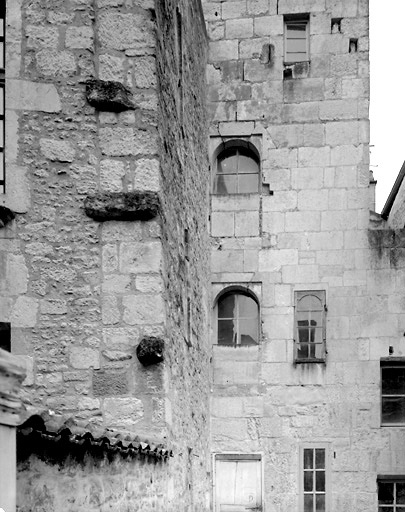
(238, 485)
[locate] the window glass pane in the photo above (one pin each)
(385, 493)
(385, 509)
(310, 303)
(248, 331)
(225, 184)
(308, 458)
(393, 410)
(247, 306)
(227, 306)
(320, 351)
(308, 503)
(248, 183)
(296, 29)
(1, 55)
(228, 161)
(246, 164)
(400, 493)
(308, 481)
(320, 458)
(320, 481)
(320, 503)
(1, 166)
(393, 381)
(303, 351)
(226, 332)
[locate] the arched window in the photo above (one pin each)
(238, 319)
(237, 169)
(310, 325)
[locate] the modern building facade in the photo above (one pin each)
(210, 313)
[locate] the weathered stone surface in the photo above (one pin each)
(108, 95)
(122, 206)
(150, 350)
(57, 150)
(123, 412)
(26, 95)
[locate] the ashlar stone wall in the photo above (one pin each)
(307, 228)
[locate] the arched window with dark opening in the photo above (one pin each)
(238, 319)
(310, 309)
(237, 169)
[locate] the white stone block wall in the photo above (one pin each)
(313, 235)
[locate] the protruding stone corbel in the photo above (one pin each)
(150, 350)
(109, 96)
(6, 216)
(136, 205)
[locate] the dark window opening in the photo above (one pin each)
(392, 394)
(336, 25)
(238, 320)
(5, 336)
(353, 45)
(391, 495)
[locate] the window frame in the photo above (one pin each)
(301, 471)
(237, 144)
(295, 20)
(299, 295)
(236, 290)
(390, 479)
(390, 363)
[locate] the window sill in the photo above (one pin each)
(399, 425)
(310, 360)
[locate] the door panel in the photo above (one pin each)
(238, 485)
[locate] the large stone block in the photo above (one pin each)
(57, 150)
(84, 358)
(116, 31)
(123, 412)
(140, 257)
(110, 383)
(52, 63)
(24, 312)
(143, 309)
(27, 95)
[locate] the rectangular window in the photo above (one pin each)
(314, 483)
(392, 393)
(2, 90)
(296, 39)
(310, 321)
(238, 482)
(391, 494)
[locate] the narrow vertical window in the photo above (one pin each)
(179, 36)
(296, 39)
(309, 337)
(2, 90)
(314, 469)
(392, 393)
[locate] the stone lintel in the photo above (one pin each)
(136, 205)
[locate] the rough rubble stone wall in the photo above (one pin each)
(81, 294)
(124, 485)
(307, 229)
(185, 178)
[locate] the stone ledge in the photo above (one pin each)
(109, 96)
(137, 205)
